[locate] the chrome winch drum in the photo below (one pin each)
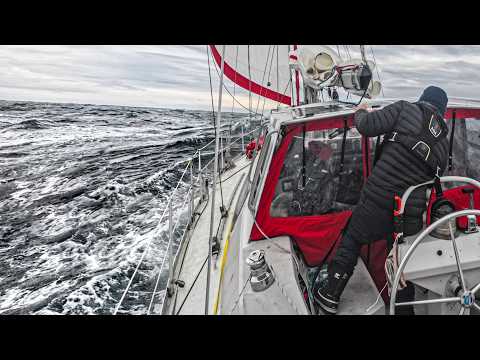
(261, 275)
(439, 210)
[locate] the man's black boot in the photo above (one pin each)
(327, 294)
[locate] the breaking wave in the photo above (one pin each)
(82, 189)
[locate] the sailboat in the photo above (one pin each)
(263, 221)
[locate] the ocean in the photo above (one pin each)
(82, 190)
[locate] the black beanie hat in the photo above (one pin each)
(437, 97)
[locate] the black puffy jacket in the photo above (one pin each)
(398, 168)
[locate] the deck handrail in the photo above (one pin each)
(195, 182)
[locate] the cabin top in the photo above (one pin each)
(316, 111)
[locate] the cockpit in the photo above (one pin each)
(317, 171)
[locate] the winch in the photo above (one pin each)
(261, 275)
(441, 208)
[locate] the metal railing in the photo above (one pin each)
(194, 183)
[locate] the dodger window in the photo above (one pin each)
(322, 173)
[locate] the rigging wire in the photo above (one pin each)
(215, 167)
(147, 248)
(185, 253)
(213, 114)
(266, 236)
(376, 68)
(347, 50)
(362, 53)
(233, 97)
(235, 173)
(239, 103)
(211, 88)
(249, 88)
(264, 102)
(263, 76)
(241, 293)
(278, 78)
(352, 103)
(131, 279)
(338, 51)
(270, 51)
(268, 81)
(158, 279)
(365, 92)
(249, 85)
(191, 287)
(170, 243)
(235, 79)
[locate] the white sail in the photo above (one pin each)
(263, 69)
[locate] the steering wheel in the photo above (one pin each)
(467, 296)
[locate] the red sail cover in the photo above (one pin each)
(268, 73)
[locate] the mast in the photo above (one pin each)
(214, 181)
(362, 51)
(278, 79)
(297, 81)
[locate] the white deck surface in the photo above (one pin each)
(198, 247)
(283, 297)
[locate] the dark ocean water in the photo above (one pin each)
(82, 189)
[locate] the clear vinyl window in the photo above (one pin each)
(466, 149)
(312, 181)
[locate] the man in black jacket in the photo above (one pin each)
(400, 166)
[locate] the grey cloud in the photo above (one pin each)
(177, 76)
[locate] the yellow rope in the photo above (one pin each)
(222, 266)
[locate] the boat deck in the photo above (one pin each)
(196, 248)
(283, 296)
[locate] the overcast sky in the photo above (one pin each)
(176, 76)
